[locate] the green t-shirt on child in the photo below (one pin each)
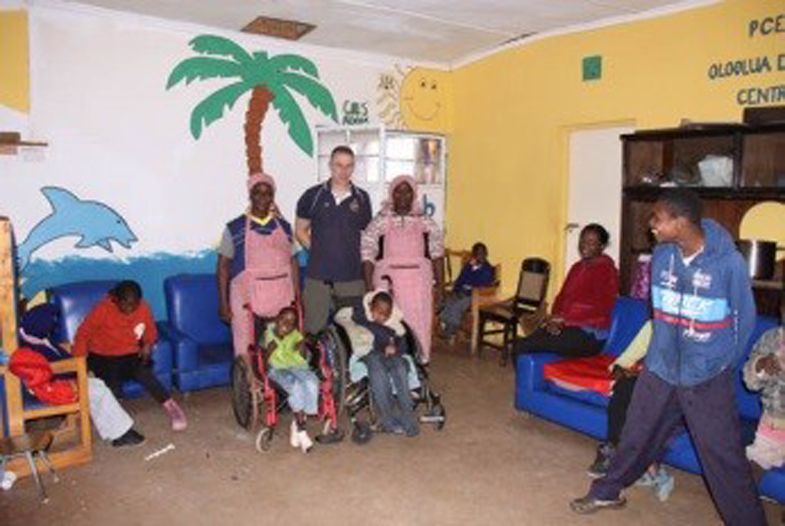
(285, 355)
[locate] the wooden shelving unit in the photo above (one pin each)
(654, 159)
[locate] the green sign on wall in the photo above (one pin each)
(592, 67)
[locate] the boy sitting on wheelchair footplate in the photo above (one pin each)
(386, 365)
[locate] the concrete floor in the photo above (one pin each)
(490, 465)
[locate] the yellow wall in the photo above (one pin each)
(513, 112)
(14, 68)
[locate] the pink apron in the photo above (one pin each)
(264, 287)
(412, 277)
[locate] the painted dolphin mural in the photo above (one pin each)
(94, 222)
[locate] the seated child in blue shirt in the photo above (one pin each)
(477, 272)
(386, 364)
(288, 368)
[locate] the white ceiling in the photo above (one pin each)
(440, 31)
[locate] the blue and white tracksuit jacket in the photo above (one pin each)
(704, 313)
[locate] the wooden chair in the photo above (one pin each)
(526, 309)
(453, 263)
(29, 447)
(77, 415)
(454, 260)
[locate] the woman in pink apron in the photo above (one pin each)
(406, 246)
(256, 271)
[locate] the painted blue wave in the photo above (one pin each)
(150, 271)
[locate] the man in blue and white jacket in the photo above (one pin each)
(704, 315)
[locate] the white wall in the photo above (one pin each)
(117, 136)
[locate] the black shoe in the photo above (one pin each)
(331, 437)
(130, 438)
(588, 504)
(602, 463)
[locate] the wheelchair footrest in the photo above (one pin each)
(333, 437)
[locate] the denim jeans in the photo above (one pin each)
(384, 372)
(455, 308)
(301, 386)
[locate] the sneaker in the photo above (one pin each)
(602, 462)
(410, 427)
(176, 414)
(648, 479)
(306, 444)
(663, 485)
(7, 480)
(294, 435)
(395, 429)
(129, 439)
(589, 504)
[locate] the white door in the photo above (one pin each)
(594, 193)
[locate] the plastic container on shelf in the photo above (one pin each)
(716, 170)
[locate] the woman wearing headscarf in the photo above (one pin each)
(257, 273)
(403, 248)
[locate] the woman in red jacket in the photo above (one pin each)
(117, 337)
(581, 315)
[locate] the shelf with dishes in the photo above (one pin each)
(718, 158)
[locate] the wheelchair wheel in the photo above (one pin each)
(264, 439)
(245, 397)
(338, 358)
(439, 415)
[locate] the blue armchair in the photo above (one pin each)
(76, 300)
(202, 343)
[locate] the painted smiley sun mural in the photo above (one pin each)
(414, 99)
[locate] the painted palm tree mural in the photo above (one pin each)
(271, 80)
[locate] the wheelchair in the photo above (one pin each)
(257, 401)
(340, 339)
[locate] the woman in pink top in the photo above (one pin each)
(257, 274)
(406, 246)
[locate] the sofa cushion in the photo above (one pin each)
(581, 374)
(215, 354)
(192, 308)
(75, 301)
(629, 315)
(587, 397)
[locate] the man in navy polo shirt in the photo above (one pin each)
(330, 218)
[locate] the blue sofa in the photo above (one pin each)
(587, 411)
(76, 300)
(201, 342)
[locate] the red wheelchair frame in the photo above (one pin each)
(263, 391)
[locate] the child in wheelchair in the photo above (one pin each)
(387, 368)
(289, 369)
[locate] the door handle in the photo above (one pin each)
(569, 227)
